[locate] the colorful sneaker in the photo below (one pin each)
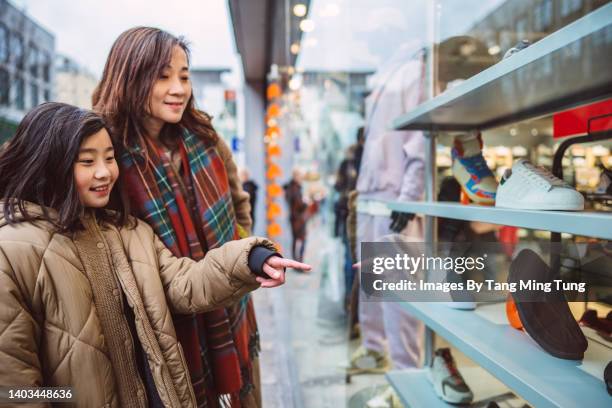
(471, 170)
(529, 187)
(447, 380)
(366, 361)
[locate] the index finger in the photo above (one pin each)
(290, 263)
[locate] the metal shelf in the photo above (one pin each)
(415, 390)
(592, 224)
(569, 67)
(511, 356)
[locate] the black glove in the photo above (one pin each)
(399, 220)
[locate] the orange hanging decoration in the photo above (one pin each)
(273, 171)
(274, 210)
(274, 230)
(274, 190)
(274, 91)
(273, 131)
(274, 110)
(274, 150)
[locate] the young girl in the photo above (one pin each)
(85, 292)
(182, 181)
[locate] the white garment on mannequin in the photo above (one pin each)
(386, 323)
(392, 168)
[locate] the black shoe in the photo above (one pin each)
(546, 317)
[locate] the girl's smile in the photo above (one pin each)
(96, 170)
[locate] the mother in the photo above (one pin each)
(181, 179)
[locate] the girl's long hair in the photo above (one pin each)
(136, 60)
(37, 165)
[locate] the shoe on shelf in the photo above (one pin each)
(529, 187)
(545, 317)
(366, 361)
(512, 314)
(521, 45)
(386, 399)
(471, 170)
(603, 326)
(447, 381)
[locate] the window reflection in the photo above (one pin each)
(20, 93)
(33, 57)
(33, 95)
(4, 51)
(17, 50)
(4, 87)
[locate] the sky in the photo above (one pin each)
(85, 29)
(349, 35)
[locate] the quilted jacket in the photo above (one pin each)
(50, 329)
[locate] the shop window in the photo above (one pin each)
(521, 29)
(46, 67)
(4, 47)
(570, 7)
(33, 95)
(17, 50)
(47, 95)
(5, 87)
(33, 60)
(543, 16)
(20, 94)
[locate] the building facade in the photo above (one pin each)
(27, 52)
(74, 84)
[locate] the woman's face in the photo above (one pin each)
(95, 170)
(171, 91)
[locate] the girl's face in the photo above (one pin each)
(170, 92)
(95, 170)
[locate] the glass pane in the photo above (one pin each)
(472, 35)
(4, 87)
(33, 59)
(34, 95)
(17, 50)
(4, 52)
(20, 93)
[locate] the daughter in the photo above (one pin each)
(86, 293)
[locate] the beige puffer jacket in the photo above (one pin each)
(50, 329)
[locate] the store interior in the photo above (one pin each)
(523, 77)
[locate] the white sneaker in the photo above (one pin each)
(527, 187)
(447, 380)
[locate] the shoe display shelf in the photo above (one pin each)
(588, 223)
(482, 384)
(568, 68)
(485, 336)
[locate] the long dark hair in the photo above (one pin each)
(37, 165)
(136, 60)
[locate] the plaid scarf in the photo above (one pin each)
(191, 213)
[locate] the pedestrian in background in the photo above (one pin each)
(297, 214)
(250, 187)
(182, 180)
